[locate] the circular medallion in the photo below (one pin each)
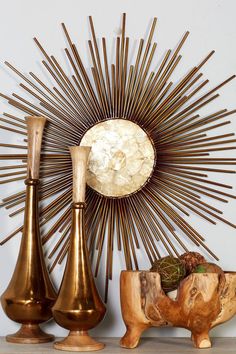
(121, 159)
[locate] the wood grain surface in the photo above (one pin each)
(35, 127)
(202, 302)
(79, 156)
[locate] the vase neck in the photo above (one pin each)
(31, 204)
(78, 259)
(31, 222)
(78, 224)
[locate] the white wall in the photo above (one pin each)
(212, 26)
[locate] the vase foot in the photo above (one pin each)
(78, 341)
(29, 334)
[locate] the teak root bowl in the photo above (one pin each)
(203, 301)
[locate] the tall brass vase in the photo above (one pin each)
(30, 294)
(78, 307)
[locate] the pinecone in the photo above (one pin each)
(191, 260)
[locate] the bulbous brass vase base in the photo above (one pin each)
(79, 341)
(29, 334)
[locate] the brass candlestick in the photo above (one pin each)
(78, 307)
(30, 294)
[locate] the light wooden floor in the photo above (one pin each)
(147, 345)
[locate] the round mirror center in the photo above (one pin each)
(121, 159)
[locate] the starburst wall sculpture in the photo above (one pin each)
(150, 150)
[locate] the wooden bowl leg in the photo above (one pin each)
(30, 334)
(201, 341)
(132, 336)
(78, 341)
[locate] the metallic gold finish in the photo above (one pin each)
(183, 140)
(30, 294)
(78, 307)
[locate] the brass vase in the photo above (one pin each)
(30, 295)
(78, 307)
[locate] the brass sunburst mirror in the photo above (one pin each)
(151, 152)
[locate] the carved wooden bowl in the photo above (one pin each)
(203, 301)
